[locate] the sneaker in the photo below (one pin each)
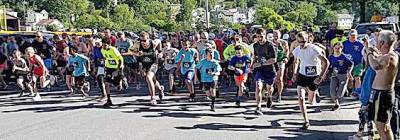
(269, 102)
(258, 111)
(212, 108)
(237, 103)
(355, 95)
(153, 102)
(107, 105)
(125, 84)
(37, 98)
(207, 98)
(335, 107)
(191, 98)
(278, 98)
(355, 137)
(305, 126)
(161, 94)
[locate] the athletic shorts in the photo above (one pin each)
(358, 70)
(382, 105)
(266, 77)
(188, 75)
(172, 71)
(61, 63)
(22, 76)
(153, 68)
(307, 81)
(112, 77)
(239, 79)
(209, 85)
(80, 80)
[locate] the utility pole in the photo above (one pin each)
(25, 8)
(207, 16)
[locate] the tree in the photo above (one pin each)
(272, 20)
(65, 9)
(52, 28)
(186, 13)
(241, 3)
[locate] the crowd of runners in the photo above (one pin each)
(267, 61)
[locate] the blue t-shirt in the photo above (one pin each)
(209, 70)
(242, 63)
(97, 56)
(188, 62)
(78, 63)
(353, 51)
(215, 52)
(341, 64)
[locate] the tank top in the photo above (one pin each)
(281, 54)
(149, 56)
(21, 64)
(37, 69)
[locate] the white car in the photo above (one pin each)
(363, 27)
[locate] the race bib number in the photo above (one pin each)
(209, 71)
(311, 70)
(123, 51)
(100, 71)
(186, 64)
(263, 60)
(170, 61)
(146, 59)
(112, 62)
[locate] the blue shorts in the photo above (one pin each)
(265, 77)
(189, 75)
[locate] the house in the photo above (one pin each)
(238, 15)
(9, 20)
(43, 24)
(32, 18)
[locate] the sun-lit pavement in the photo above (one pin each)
(58, 117)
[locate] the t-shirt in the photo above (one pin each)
(262, 53)
(78, 62)
(112, 57)
(215, 53)
(281, 54)
(220, 47)
(209, 70)
(230, 51)
(113, 40)
(203, 44)
(97, 56)
(124, 47)
(340, 64)
(310, 64)
(169, 58)
(242, 63)
(43, 48)
(188, 62)
(353, 50)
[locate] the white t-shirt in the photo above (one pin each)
(310, 64)
(169, 56)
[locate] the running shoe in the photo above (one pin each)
(258, 111)
(212, 108)
(191, 97)
(153, 102)
(21, 93)
(306, 125)
(317, 98)
(37, 98)
(161, 94)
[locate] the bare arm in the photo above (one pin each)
(325, 65)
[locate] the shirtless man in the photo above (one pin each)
(383, 60)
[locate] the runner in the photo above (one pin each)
(125, 45)
(114, 64)
(98, 61)
(282, 59)
(3, 63)
(186, 59)
(308, 71)
(353, 50)
(169, 55)
(60, 55)
(342, 67)
(265, 57)
(81, 66)
(148, 57)
(21, 71)
(210, 69)
(39, 71)
(241, 65)
(384, 61)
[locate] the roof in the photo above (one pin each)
(11, 17)
(46, 22)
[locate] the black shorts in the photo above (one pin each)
(209, 85)
(80, 80)
(23, 76)
(290, 61)
(307, 81)
(382, 105)
(111, 77)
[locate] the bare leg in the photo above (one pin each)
(259, 88)
(301, 94)
(384, 131)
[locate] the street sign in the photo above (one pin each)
(345, 21)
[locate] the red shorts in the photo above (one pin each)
(38, 71)
(239, 79)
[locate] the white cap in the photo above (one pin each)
(270, 36)
(285, 37)
(211, 36)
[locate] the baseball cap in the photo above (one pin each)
(353, 32)
(285, 37)
(270, 36)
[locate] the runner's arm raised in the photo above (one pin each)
(378, 62)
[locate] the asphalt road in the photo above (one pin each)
(58, 117)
